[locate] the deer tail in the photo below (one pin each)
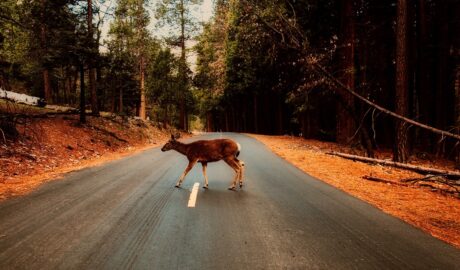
(239, 149)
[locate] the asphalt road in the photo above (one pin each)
(128, 215)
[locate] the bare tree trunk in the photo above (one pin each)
(120, 100)
(256, 115)
(47, 86)
(442, 73)
(209, 123)
(44, 47)
(227, 124)
(82, 95)
(345, 122)
(423, 74)
(401, 151)
(92, 70)
(457, 105)
(142, 109)
(183, 76)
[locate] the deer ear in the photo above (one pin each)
(172, 137)
(177, 136)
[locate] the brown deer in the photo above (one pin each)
(205, 151)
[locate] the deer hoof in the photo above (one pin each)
(231, 188)
(241, 184)
(205, 187)
(177, 185)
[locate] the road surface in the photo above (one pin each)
(128, 215)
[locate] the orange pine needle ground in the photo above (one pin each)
(51, 147)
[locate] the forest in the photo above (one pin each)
(365, 73)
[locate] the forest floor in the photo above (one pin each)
(432, 211)
(49, 147)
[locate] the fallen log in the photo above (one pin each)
(418, 169)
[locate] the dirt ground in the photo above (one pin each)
(434, 212)
(49, 147)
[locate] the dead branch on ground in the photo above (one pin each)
(381, 180)
(439, 179)
(443, 184)
(418, 169)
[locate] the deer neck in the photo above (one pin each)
(181, 148)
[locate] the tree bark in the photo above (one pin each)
(209, 123)
(183, 65)
(44, 47)
(120, 100)
(142, 105)
(423, 74)
(47, 86)
(256, 115)
(142, 109)
(92, 70)
(82, 95)
(345, 124)
(457, 105)
(401, 149)
(442, 72)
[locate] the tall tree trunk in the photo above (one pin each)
(120, 100)
(423, 74)
(345, 122)
(227, 122)
(47, 86)
(442, 72)
(209, 124)
(256, 115)
(74, 87)
(44, 47)
(142, 105)
(279, 117)
(363, 57)
(166, 121)
(142, 109)
(183, 67)
(401, 151)
(92, 70)
(82, 95)
(457, 106)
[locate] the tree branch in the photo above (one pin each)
(323, 71)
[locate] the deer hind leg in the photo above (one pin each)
(241, 171)
(235, 166)
(204, 164)
(189, 167)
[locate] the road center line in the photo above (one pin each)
(193, 195)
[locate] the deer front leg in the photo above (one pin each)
(189, 167)
(204, 164)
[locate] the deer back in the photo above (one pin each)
(212, 150)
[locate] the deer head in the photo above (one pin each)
(171, 144)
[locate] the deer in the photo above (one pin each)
(205, 151)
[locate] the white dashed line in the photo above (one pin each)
(193, 195)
